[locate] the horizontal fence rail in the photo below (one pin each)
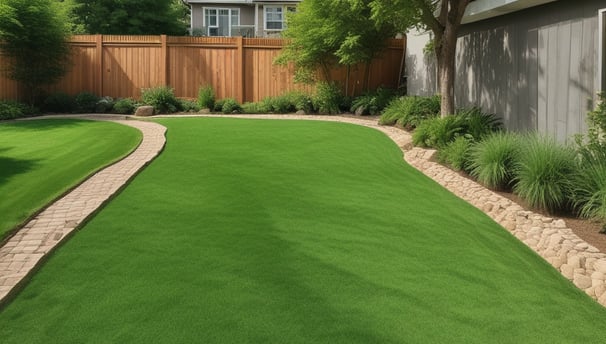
(236, 67)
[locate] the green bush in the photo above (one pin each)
(230, 105)
(11, 109)
(328, 98)
(410, 111)
(59, 103)
(478, 124)
(219, 105)
(254, 108)
(162, 99)
(543, 171)
(492, 160)
(301, 101)
(589, 185)
(206, 97)
(373, 103)
(86, 102)
(104, 105)
(456, 153)
(439, 131)
(189, 105)
(125, 106)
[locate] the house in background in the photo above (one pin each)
(247, 18)
(536, 63)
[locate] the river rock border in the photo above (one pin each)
(578, 261)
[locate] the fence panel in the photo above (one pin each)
(242, 68)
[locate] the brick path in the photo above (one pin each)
(38, 237)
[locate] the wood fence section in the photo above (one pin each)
(242, 68)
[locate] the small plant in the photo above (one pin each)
(104, 105)
(589, 186)
(254, 108)
(206, 97)
(162, 99)
(438, 132)
(125, 106)
(543, 171)
(479, 124)
(456, 153)
(59, 103)
(230, 105)
(491, 161)
(409, 112)
(219, 105)
(328, 98)
(373, 103)
(189, 105)
(86, 102)
(11, 109)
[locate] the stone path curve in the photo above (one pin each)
(22, 252)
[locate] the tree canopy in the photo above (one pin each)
(323, 34)
(132, 17)
(33, 35)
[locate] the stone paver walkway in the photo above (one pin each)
(38, 237)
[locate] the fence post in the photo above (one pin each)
(240, 69)
(164, 62)
(99, 71)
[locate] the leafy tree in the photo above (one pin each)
(324, 34)
(443, 19)
(132, 17)
(33, 36)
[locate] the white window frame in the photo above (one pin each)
(602, 49)
(284, 10)
(217, 10)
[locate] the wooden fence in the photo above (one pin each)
(242, 68)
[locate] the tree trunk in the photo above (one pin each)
(446, 70)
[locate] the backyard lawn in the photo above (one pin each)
(261, 231)
(41, 159)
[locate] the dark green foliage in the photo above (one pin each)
(125, 106)
(219, 105)
(33, 36)
(10, 109)
(206, 97)
(132, 17)
(286, 103)
(189, 105)
(543, 173)
(230, 105)
(478, 124)
(328, 98)
(410, 111)
(59, 103)
(456, 153)
(437, 132)
(373, 103)
(86, 102)
(492, 160)
(162, 99)
(104, 105)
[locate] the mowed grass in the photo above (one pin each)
(42, 159)
(254, 231)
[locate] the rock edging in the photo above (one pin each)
(574, 258)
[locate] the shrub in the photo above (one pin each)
(438, 132)
(230, 105)
(104, 105)
(189, 105)
(59, 103)
(478, 124)
(206, 97)
(491, 161)
(162, 99)
(373, 103)
(125, 106)
(301, 101)
(328, 98)
(11, 109)
(254, 108)
(543, 171)
(219, 105)
(589, 186)
(86, 102)
(410, 111)
(280, 104)
(456, 153)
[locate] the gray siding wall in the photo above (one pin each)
(536, 68)
(420, 67)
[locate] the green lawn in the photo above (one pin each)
(41, 159)
(258, 231)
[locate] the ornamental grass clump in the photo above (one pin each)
(410, 111)
(589, 186)
(456, 153)
(491, 161)
(543, 171)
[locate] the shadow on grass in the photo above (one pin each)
(10, 167)
(44, 123)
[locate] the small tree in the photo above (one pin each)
(33, 36)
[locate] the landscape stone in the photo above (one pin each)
(582, 281)
(144, 111)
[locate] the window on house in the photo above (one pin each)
(220, 21)
(275, 17)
